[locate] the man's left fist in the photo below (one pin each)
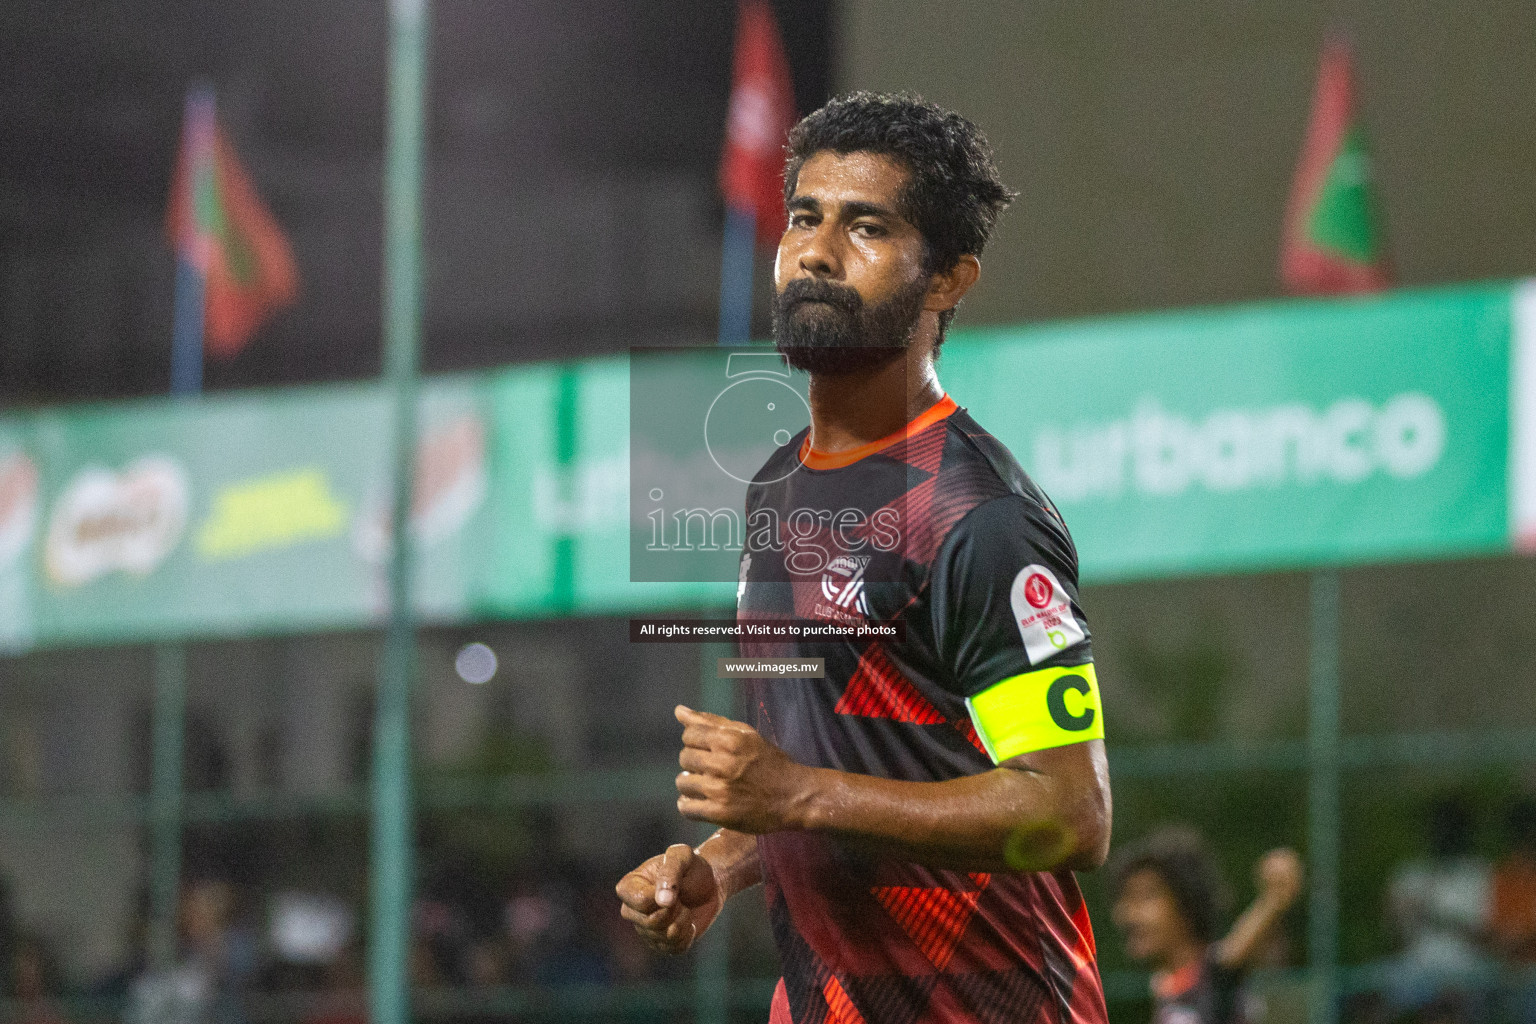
(734, 778)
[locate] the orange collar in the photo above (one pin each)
(813, 459)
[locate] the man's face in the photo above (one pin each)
(849, 281)
(1148, 916)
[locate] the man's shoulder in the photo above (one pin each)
(983, 443)
(979, 468)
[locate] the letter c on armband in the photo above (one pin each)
(1056, 704)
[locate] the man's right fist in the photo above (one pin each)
(670, 899)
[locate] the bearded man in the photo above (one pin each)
(916, 814)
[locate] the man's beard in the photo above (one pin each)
(821, 327)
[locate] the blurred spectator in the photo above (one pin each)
(487, 964)
(572, 951)
(215, 966)
(428, 965)
(1168, 904)
(1512, 923)
(307, 935)
(1439, 906)
(34, 982)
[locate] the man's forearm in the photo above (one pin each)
(733, 858)
(1011, 818)
(1040, 811)
(1250, 930)
(1280, 874)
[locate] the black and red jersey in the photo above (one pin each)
(940, 529)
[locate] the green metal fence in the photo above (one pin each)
(1324, 755)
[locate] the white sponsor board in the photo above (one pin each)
(1522, 417)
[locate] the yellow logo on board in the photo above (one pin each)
(271, 512)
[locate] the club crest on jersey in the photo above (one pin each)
(1044, 615)
(842, 583)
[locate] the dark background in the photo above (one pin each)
(570, 202)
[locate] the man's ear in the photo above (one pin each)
(948, 287)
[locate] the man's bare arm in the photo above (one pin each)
(1036, 812)
(732, 857)
(1279, 875)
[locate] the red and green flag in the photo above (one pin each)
(220, 227)
(1333, 240)
(762, 113)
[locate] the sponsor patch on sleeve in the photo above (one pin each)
(1050, 707)
(1043, 614)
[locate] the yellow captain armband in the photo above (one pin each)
(1050, 707)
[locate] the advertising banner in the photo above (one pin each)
(255, 513)
(1270, 437)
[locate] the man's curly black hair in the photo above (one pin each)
(1181, 859)
(954, 195)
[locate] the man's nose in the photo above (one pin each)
(819, 257)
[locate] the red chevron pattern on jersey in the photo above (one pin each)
(934, 504)
(955, 492)
(879, 690)
(924, 450)
(934, 919)
(840, 1009)
(968, 730)
(919, 540)
(1086, 949)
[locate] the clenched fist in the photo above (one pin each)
(1279, 875)
(734, 778)
(670, 899)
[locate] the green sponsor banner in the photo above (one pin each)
(1222, 440)
(1258, 438)
(256, 513)
(231, 516)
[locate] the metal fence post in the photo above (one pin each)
(168, 738)
(392, 833)
(1323, 797)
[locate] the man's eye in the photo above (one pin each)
(869, 230)
(801, 220)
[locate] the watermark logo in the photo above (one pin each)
(716, 471)
(753, 416)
